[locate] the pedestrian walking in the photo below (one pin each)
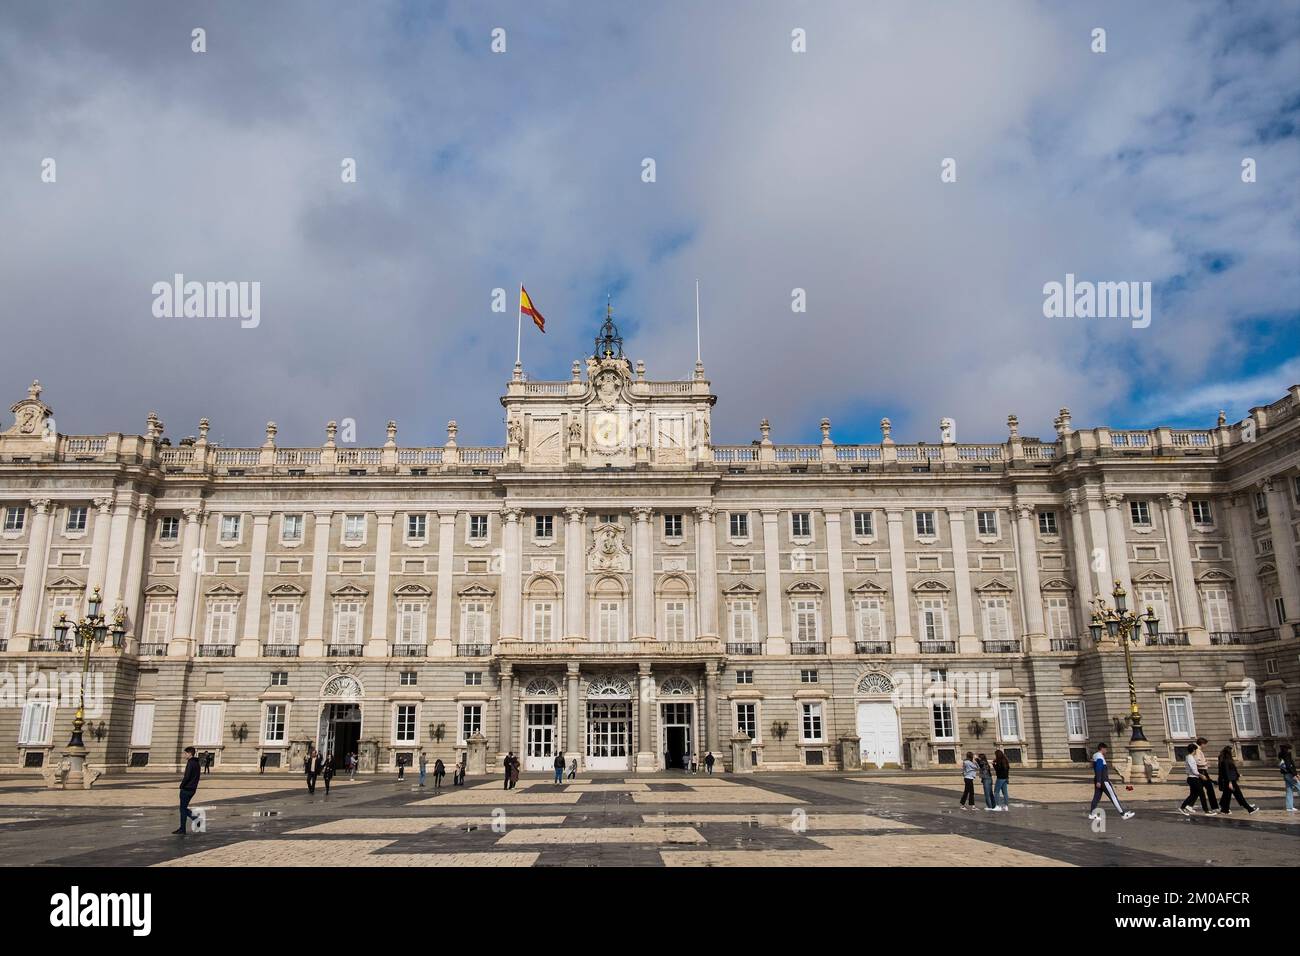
(708, 761)
(1195, 784)
(261, 764)
(327, 771)
(401, 767)
(1001, 774)
(1101, 785)
(573, 769)
(559, 768)
(207, 761)
(514, 771)
(313, 769)
(458, 776)
(189, 787)
(439, 771)
(1286, 765)
(986, 780)
(352, 766)
(969, 771)
(1229, 784)
(1209, 802)
(424, 767)
(509, 765)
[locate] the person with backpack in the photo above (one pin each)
(969, 771)
(439, 771)
(1002, 773)
(1286, 765)
(1229, 785)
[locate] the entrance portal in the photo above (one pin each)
(676, 723)
(878, 733)
(608, 734)
(539, 736)
(340, 732)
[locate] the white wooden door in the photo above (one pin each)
(878, 733)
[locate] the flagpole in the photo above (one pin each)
(519, 325)
(698, 359)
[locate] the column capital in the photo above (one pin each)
(323, 515)
(261, 519)
(193, 515)
(643, 668)
(894, 514)
(1024, 511)
(575, 513)
(573, 670)
(511, 515)
(40, 505)
(385, 517)
(956, 513)
(705, 513)
(446, 517)
(1175, 499)
(1113, 499)
(103, 505)
(1074, 503)
(507, 671)
(642, 513)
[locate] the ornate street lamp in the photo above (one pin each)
(90, 630)
(1126, 626)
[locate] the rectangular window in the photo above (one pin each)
(609, 615)
(412, 619)
(37, 727)
(674, 620)
(142, 724)
(807, 676)
(1058, 619)
(157, 622)
(744, 677)
(747, 720)
(1047, 522)
(208, 725)
(1279, 611)
(221, 622)
(478, 527)
(471, 721)
(805, 621)
(608, 519)
(1276, 707)
(800, 524)
(291, 527)
(230, 527)
(934, 620)
(1140, 513)
(417, 527)
(1076, 720)
(812, 723)
(941, 719)
(474, 622)
(354, 528)
(273, 729)
(862, 524)
(997, 620)
(1261, 505)
(169, 528)
(1155, 599)
(404, 729)
(1202, 514)
(1009, 720)
(15, 518)
(925, 524)
(1178, 716)
(284, 623)
(63, 604)
(986, 523)
(76, 520)
(279, 678)
(1245, 715)
(543, 621)
(473, 678)
(407, 679)
(6, 615)
(870, 619)
(738, 524)
(672, 526)
(1218, 613)
(938, 675)
(347, 623)
(544, 527)
(742, 621)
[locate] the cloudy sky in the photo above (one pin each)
(775, 171)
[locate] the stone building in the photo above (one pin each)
(613, 585)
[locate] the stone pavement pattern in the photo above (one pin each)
(831, 819)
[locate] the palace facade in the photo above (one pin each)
(611, 585)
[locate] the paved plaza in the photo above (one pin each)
(815, 820)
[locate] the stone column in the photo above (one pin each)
(1250, 611)
(575, 578)
(647, 758)
(29, 602)
(377, 646)
(443, 644)
(314, 645)
(1117, 535)
(1035, 638)
(711, 709)
(840, 641)
(135, 568)
(1288, 577)
(99, 545)
(191, 569)
(119, 534)
(511, 578)
(250, 640)
(507, 735)
(776, 642)
(1082, 565)
(1180, 561)
(643, 596)
(573, 725)
(968, 639)
(706, 542)
(1099, 555)
(904, 643)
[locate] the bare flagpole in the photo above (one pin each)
(699, 360)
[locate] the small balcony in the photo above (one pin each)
(938, 647)
(50, 644)
(345, 650)
(745, 648)
(872, 647)
(153, 650)
(1065, 644)
(408, 650)
(1001, 647)
(216, 650)
(1222, 638)
(1167, 639)
(279, 650)
(808, 647)
(473, 650)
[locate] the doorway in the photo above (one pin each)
(878, 734)
(609, 734)
(539, 736)
(340, 732)
(675, 719)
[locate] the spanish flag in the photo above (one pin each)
(526, 307)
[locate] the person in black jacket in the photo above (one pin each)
(189, 786)
(1228, 785)
(312, 768)
(439, 771)
(327, 771)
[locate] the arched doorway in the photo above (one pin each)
(878, 734)
(676, 722)
(609, 723)
(340, 718)
(541, 723)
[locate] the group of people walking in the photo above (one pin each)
(994, 776)
(1201, 787)
(315, 765)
